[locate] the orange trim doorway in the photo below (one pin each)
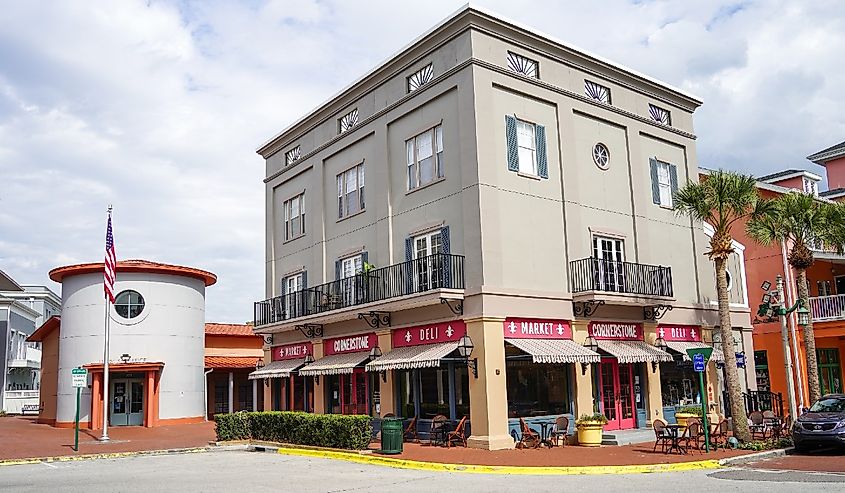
(152, 377)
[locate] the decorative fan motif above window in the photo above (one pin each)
(597, 92)
(660, 115)
(522, 65)
(347, 121)
(420, 77)
(292, 155)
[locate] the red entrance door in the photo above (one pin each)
(354, 390)
(616, 384)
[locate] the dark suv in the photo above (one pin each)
(823, 424)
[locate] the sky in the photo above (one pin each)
(157, 107)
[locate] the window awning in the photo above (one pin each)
(277, 369)
(406, 358)
(335, 364)
(681, 347)
(633, 351)
(555, 351)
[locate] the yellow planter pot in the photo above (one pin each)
(590, 434)
(682, 418)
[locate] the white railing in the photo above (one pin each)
(32, 359)
(828, 307)
(17, 399)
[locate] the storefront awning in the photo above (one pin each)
(681, 347)
(406, 358)
(633, 351)
(277, 369)
(335, 364)
(555, 351)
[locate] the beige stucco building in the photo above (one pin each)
(487, 180)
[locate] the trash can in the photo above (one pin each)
(391, 436)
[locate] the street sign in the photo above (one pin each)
(704, 351)
(698, 362)
(79, 377)
(740, 360)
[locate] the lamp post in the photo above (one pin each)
(787, 355)
(465, 347)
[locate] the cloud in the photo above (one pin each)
(157, 107)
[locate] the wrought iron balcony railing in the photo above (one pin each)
(438, 271)
(824, 308)
(593, 274)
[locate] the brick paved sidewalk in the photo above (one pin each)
(21, 437)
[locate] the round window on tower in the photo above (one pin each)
(601, 156)
(129, 304)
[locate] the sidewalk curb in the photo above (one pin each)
(105, 455)
(743, 459)
(481, 469)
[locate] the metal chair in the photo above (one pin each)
(561, 429)
(757, 426)
(436, 434)
(458, 435)
(661, 436)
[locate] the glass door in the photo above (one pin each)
(617, 394)
(625, 396)
(349, 268)
(830, 376)
(607, 385)
(119, 399)
(135, 406)
(609, 255)
(427, 267)
(354, 392)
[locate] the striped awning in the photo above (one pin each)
(335, 364)
(277, 369)
(406, 358)
(633, 351)
(681, 347)
(555, 351)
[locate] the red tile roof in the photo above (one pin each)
(231, 361)
(146, 266)
(212, 329)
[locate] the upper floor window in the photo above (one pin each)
(660, 115)
(129, 304)
(295, 217)
(292, 155)
(347, 121)
(596, 91)
(420, 77)
(523, 65)
(811, 187)
(664, 182)
(293, 283)
(350, 191)
(526, 144)
(425, 157)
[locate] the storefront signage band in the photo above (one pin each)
(619, 331)
(536, 328)
(429, 334)
(680, 333)
(291, 351)
(350, 344)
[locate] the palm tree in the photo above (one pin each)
(721, 200)
(801, 221)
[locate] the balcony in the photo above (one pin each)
(826, 308)
(31, 358)
(404, 283)
(619, 282)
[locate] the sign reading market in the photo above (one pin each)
(350, 344)
(618, 331)
(679, 333)
(291, 351)
(536, 328)
(429, 334)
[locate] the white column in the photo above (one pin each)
(231, 392)
(255, 395)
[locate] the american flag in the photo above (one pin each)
(110, 263)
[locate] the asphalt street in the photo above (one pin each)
(258, 472)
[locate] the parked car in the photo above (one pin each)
(823, 424)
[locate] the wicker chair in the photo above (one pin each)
(661, 436)
(436, 432)
(529, 437)
(719, 435)
(410, 432)
(459, 435)
(757, 425)
(561, 429)
(691, 436)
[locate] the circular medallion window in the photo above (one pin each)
(601, 156)
(129, 304)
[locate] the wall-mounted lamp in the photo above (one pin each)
(465, 347)
(376, 353)
(591, 344)
(125, 358)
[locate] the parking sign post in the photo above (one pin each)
(79, 379)
(699, 361)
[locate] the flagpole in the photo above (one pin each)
(105, 435)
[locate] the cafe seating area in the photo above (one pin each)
(684, 438)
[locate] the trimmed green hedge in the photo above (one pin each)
(319, 430)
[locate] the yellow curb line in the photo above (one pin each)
(479, 469)
(105, 455)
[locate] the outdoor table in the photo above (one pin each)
(439, 434)
(545, 433)
(774, 425)
(673, 430)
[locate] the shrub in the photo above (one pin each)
(696, 410)
(320, 430)
(591, 418)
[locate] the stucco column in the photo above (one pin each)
(319, 383)
(654, 394)
(231, 392)
(584, 400)
(387, 397)
(149, 400)
(96, 401)
(488, 393)
(268, 395)
(255, 395)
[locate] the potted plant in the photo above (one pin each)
(685, 413)
(590, 429)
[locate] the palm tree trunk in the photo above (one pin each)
(737, 403)
(809, 340)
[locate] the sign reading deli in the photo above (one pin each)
(620, 331)
(682, 333)
(291, 351)
(429, 334)
(350, 344)
(536, 328)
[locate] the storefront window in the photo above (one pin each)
(537, 389)
(432, 389)
(679, 384)
(333, 389)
